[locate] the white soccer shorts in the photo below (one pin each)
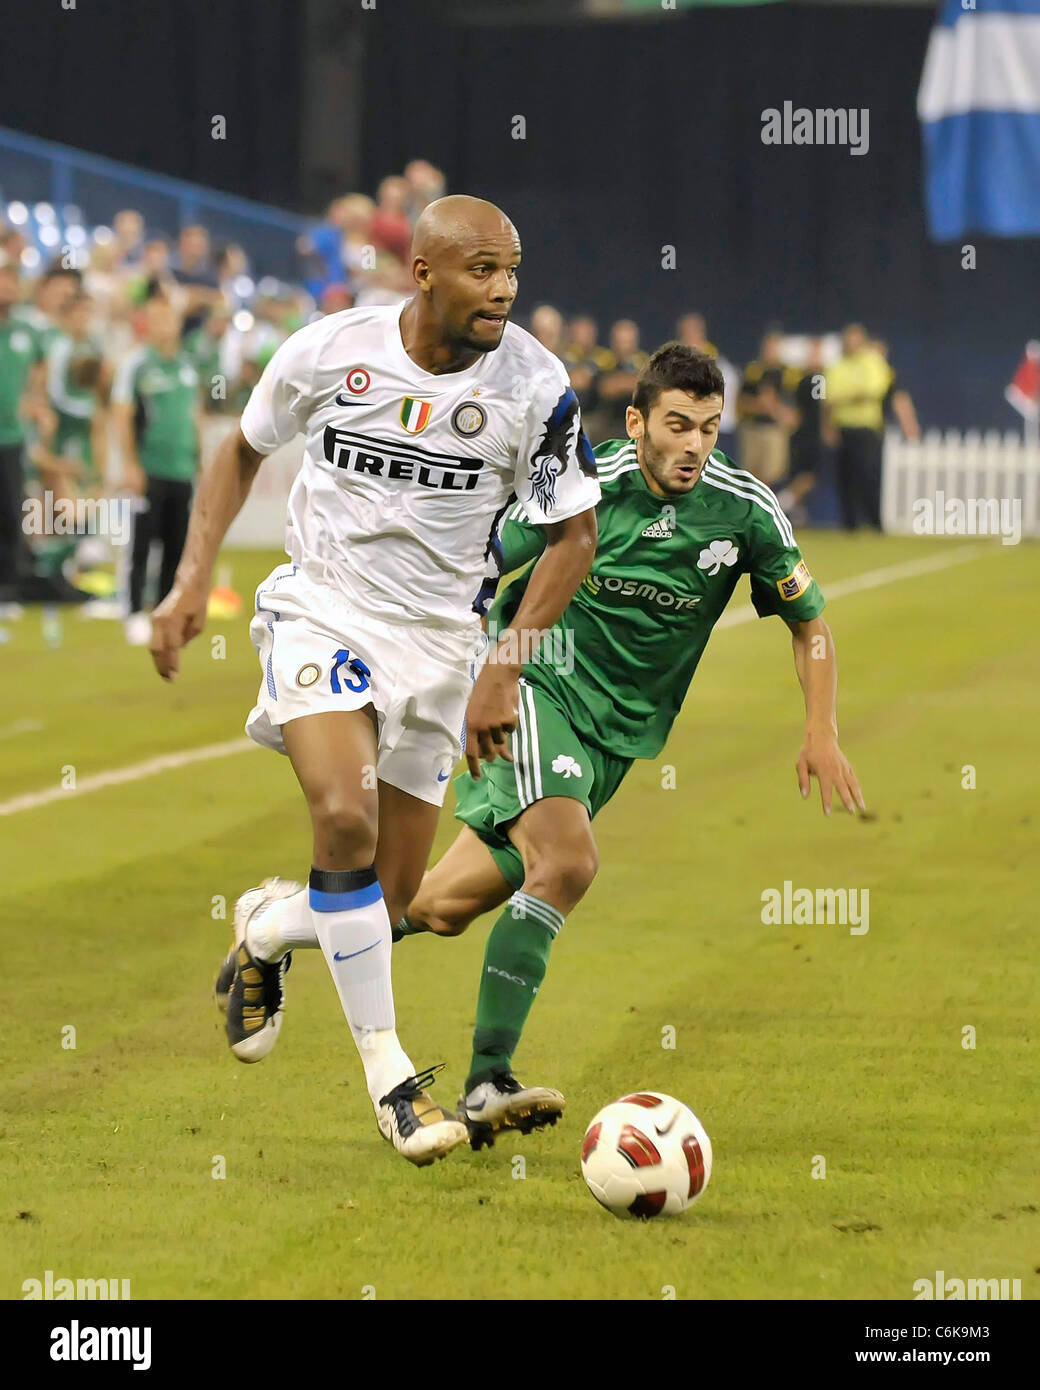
(318, 653)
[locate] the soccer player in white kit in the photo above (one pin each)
(421, 423)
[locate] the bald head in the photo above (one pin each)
(465, 255)
(458, 222)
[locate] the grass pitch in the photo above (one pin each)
(792, 1043)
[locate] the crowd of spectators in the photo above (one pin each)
(801, 400)
(115, 347)
(78, 333)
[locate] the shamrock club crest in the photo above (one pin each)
(564, 764)
(714, 556)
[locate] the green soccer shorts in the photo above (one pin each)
(549, 759)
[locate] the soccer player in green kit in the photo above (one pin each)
(678, 526)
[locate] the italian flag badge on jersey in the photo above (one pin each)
(415, 415)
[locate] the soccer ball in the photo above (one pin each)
(646, 1155)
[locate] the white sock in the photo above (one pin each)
(286, 925)
(353, 928)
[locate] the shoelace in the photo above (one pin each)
(506, 1083)
(422, 1079)
(410, 1087)
(402, 1096)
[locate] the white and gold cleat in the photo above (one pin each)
(419, 1128)
(251, 992)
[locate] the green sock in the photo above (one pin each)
(515, 963)
(404, 928)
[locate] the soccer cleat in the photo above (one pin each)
(226, 975)
(252, 990)
(246, 908)
(225, 978)
(503, 1103)
(415, 1124)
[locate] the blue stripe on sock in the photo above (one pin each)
(343, 902)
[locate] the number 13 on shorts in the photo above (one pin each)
(344, 662)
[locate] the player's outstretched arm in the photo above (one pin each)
(182, 613)
(491, 716)
(821, 757)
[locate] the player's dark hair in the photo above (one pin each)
(676, 367)
(56, 271)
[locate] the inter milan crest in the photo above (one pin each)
(415, 415)
(468, 419)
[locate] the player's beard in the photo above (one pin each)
(481, 344)
(658, 464)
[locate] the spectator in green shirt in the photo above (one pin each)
(155, 408)
(75, 372)
(21, 386)
(203, 347)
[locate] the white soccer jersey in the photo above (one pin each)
(405, 472)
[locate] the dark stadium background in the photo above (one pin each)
(639, 134)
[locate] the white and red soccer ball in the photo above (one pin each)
(646, 1155)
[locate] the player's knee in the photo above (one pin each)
(345, 828)
(564, 876)
(578, 872)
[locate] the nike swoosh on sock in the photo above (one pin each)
(352, 954)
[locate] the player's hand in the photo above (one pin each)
(180, 617)
(823, 759)
(44, 418)
(491, 715)
(134, 479)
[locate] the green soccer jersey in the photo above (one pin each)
(664, 570)
(204, 351)
(73, 403)
(164, 391)
(39, 323)
(67, 395)
(20, 350)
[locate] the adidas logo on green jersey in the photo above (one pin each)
(657, 530)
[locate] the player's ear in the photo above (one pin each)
(634, 423)
(421, 273)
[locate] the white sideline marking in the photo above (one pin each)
(119, 775)
(870, 579)
(22, 726)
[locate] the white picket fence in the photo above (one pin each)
(969, 467)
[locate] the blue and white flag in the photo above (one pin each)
(979, 104)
